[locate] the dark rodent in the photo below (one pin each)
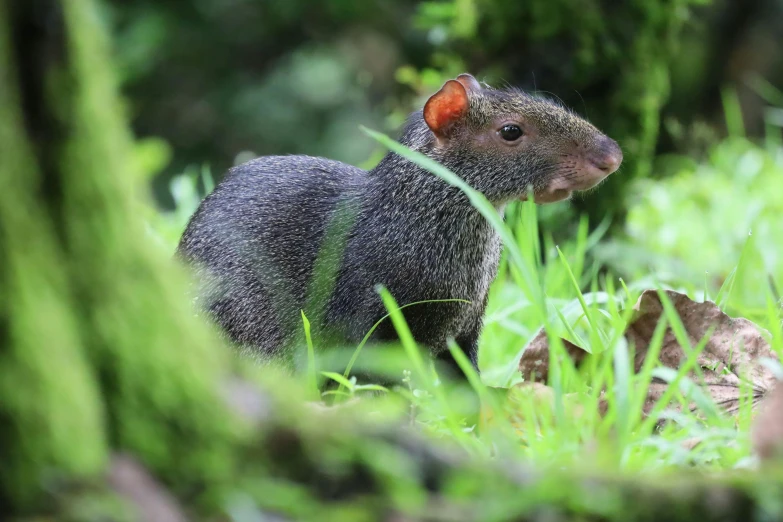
(254, 241)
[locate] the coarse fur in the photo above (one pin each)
(255, 240)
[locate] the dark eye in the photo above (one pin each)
(510, 132)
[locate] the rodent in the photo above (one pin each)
(254, 240)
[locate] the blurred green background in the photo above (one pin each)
(689, 88)
(224, 80)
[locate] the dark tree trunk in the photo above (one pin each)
(98, 348)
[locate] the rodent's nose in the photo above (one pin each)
(607, 155)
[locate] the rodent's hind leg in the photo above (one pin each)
(467, 341)
(457, 388)
(247, 322)
(445, 362)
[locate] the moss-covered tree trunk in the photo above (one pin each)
(97, 346)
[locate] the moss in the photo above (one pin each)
(99, 345)
(159, 367)
(51, 416)
(615, 61)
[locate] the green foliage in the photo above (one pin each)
(187, 190)
(618, 55)
(691, 227)
(299, 77)
(152, 394)
(49, 418)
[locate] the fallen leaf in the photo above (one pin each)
(534, 367)
(534, 364)
(732, 353)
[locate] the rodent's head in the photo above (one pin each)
(504, 140)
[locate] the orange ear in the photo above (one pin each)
(446, 107)
(469, 82)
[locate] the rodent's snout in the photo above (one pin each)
(584, 170)
(606, 155)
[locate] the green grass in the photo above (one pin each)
(574, 294)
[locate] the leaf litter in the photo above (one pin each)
(729, 368)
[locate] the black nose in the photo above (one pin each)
(606, 155)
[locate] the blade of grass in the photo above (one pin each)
(599, 232)
(678, 329)
(622, 392)
(766, 90)
(581, 249)
(706, 296)
(733, 111)
(312, 382)
(725, 289)
(644, 376)
(529, 214)
(628, 295)
(420, 369)
(467, 368)
(501, 425)
(582, 302)
(673, 387)
(369, 333)
(207, 180)
(722, 299)
(404, 333)
(575, 336)
(339, 379)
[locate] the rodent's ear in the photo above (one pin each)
(446, 107)
(469, 82)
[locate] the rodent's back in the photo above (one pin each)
(255, 238)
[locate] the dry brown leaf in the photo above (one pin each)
(534, 367)
(534, 364)
(731, 354)
(767, 433)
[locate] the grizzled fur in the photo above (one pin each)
(255, 239)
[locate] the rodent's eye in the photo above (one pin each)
(510, 132)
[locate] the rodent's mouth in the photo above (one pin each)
(552, 195)
(568, 181)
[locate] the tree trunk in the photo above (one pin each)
(98, 348)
